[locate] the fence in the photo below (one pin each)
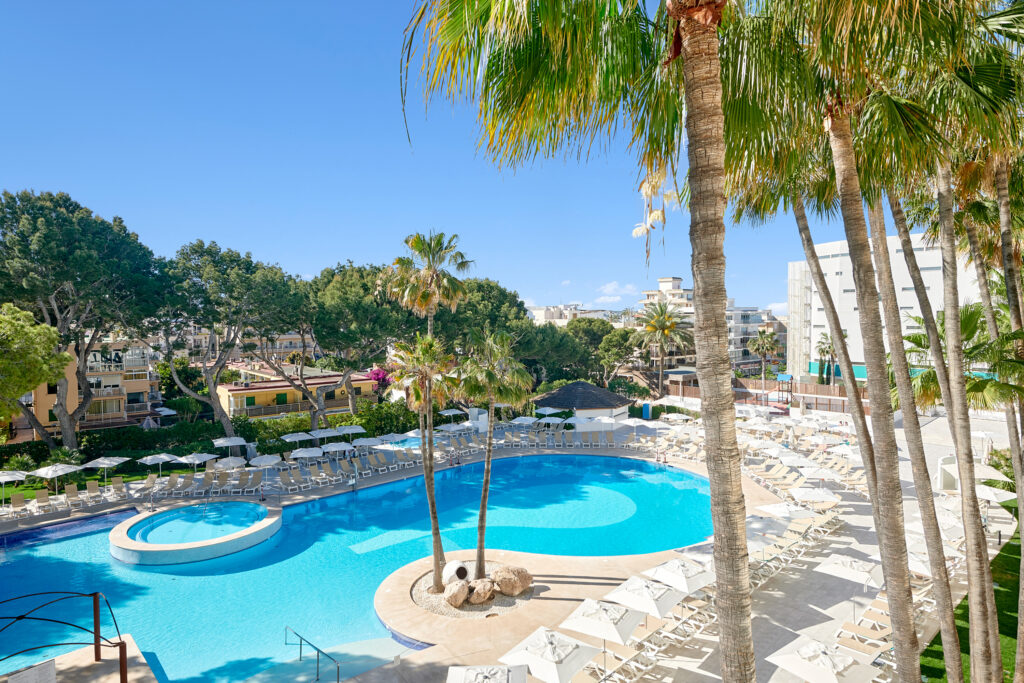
(830, 398)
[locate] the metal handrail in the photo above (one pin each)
(99, 640)
(337, 665)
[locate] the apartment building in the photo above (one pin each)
(261, 393)
(807, 320)
(562, 314)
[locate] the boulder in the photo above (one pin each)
(511, 580)
(482, 591)
(456, 592)
(454, 571)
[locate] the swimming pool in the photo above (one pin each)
(318, 574)
(200, 522)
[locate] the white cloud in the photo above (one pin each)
(527, 301)
(566, 283)
(607, 299)
(612, 288)
(781, 308)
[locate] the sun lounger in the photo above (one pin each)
(147, 487)
(403, 460)
(93, 492)
(287, 485)
(302, 482)
(414, 456)
(609, 439)
(238, 487)
(255, 483)
(222, 486)
(71, 496)
(168, 487)
(333, 476)
(347, 469)
(18, 507)
(871, 650)
(865, 632)
(117, 489)
(190, 487)
(43, 502)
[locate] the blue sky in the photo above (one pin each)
(276, 127)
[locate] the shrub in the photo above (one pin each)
(36, 451)
(21, 462)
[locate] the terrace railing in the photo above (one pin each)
(98, 641)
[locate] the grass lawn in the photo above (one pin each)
(1006, 575)
(29, 490)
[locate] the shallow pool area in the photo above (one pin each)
(224, 619)
(199, 522)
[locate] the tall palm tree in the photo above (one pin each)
(826, 352)
(491, 373)
(661, 328)
(765, 344)
(423, 368)
(422, 281)
(548, 77)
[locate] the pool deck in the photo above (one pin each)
(79, 667)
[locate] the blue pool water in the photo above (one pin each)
(200, 522)
(318, 574)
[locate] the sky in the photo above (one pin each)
(277, 128)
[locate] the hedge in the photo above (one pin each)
(37, 450)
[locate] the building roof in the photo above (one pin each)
(581, 396)
(280, 384)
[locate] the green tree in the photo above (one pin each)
(192, 377)
(491, 374)
(826, 351)
(617, 349)
(661, 329)
(77, 272)
(486, 306)
(589, 331)
(423, 369)
(764, 345)
(628, 388)
(28, 357)
(188, 408)
(549, 352)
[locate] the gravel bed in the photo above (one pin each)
(435, 602)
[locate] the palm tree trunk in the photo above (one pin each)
(835, 326)
(428, 481)
(706, 155)
(762, 380)
(888, 493)
(1012, 275)
(915, 444)
(661, 370)
(986, 657)
(1011, 424)
(481, 525)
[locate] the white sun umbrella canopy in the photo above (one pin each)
(487, 673)
(650, 597)
(159, 459)
(683, 575)
(811, 495)
(391, 438)
(230, 463)
(548, 411)
(350, 429)
(308, 453)
(551, 656)
(340, 446)
(324, 433)
(982, 472)
(576, 420)
(551, 420)
(994, 495)
(196, 459)
(9, 476)
(54, 471)
(295, 437)
(604, 620)
(450, 412)
(367, 441)
(265, 460)
(447, 427)
(852, 569)
(524, 420)
(786, 511)
(104, 464)
(812, 660)
(228, 441)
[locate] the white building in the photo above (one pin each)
(561, 314)
(807, 320)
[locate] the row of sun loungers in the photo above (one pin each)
(73, 499)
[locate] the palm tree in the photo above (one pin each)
(492, 373)
(424, 368)
(548, 77)
(662, 328)
(765, 344)
(826, 351)
(422, 281)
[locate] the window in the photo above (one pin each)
(908, 289)
(849, 291)
(281, 399)
(930, 268)
(51, 389)
(329, 395)
(359, 391)
(821, 308)
(250, 401)
(51, 416)
(906, 308)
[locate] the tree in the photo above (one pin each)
(589, 331)
(192, 377)
(628, 388)
(617, 349)
(422, 368)
(491, 374)
(213, 291)
(826, 351)
(662, 328)
(77, 272)
(549, 352)
(486, 306)
(188, 408)
(765, 344)
(548, 78)
(28, 357)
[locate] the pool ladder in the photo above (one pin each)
(337, 665)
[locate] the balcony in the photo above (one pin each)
(104, 392)
(301, 407)
(136, 408)
(104, 367)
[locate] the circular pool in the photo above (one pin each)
(199, 522)
(192, 533)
